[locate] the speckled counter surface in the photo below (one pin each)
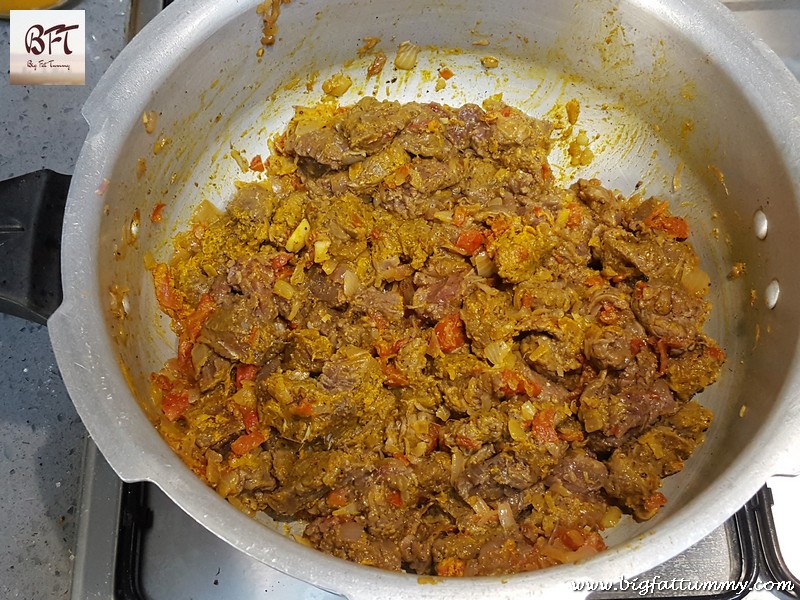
(41, 436)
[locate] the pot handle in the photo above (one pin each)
(31, 218)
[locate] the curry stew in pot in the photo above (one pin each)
(409, 338)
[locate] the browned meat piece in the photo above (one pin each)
(307, 350)
(433, 473)
(348, 368)
(669, 311)
(465, 382)
(467, 124)
(609, 347)
(472, 434)
(657, 257)
(210, 369)
(374, 169)
(489, 316)
(555, 355)
(241, 329)
(516, 140)
(214, 419)
(636, 469)
(328, 289)
(309, 479)
(497, 477)
(616, 413)
(317, 137)
(696, 369)
(579, 472)
(437, 297)
(345, 537)
(424, 134)
(370, 125)
(389, 304)
(605, 204)
(254, 204)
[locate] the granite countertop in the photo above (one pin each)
(41, 436)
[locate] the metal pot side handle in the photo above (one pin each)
(31, 219)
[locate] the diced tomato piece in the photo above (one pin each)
(451, 567)
(303, 409)
(575, 215)
(716, 353)
(433, 437)
(394, 498)
(257, 164)
(393, 376)
(163, 382)
(659, 210)
(460, 216)
(594, 280)
(175, 404)
(337, 498)
(281, 259)
(467, 443)
(575, 539)
(469, 241)
(402, 458)
(165, 293)
(450, 333)
(513, 383)
(636, 345)
(543, 426)
(501, 224)
(185, 345)
(250, 417)
(194, 322)
(608, 314)
(245, 373)
(156, 216)
(676, 227)
(655, 501)
(247, 442)
(570, 537)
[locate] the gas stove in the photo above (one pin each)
(134, 543)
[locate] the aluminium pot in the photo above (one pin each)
(678, 100)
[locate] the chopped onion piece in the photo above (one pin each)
(321, 251)
(299, 236)
(337, 85)
(406, 58)
(528, 410)
(696, 281)
(611, 517)
(484, 265)
(284, 289)
(516, 431)
(457, 463)
(351, 283)
(479, 505)
(499, 353)
(506, 516)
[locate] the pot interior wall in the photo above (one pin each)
(662, 113)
